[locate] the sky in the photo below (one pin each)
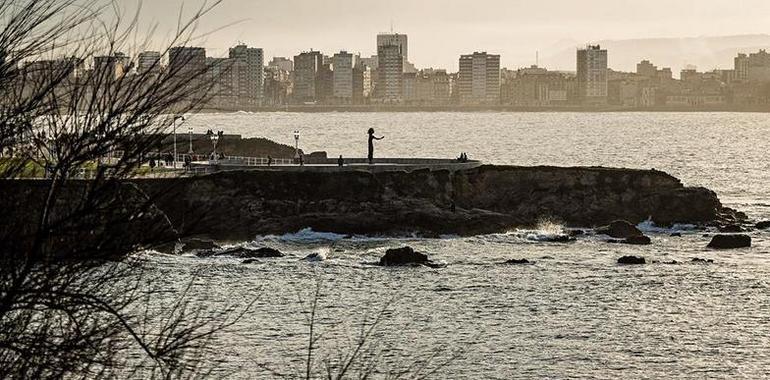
(440, 30)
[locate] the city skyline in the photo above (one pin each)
(511, 30)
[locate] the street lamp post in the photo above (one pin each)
(296, 145)
(175, 151)
(214, 139)
(190, 131)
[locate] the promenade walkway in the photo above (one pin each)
(331, 164)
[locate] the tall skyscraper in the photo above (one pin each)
(306, 78)
(343, 63)
(390, 73)
(479, 79)
(394, 39)
(592, 74)
(248, 73)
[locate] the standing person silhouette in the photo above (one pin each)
(372, 137)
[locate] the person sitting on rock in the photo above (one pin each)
(372, 137)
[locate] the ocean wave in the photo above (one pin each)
(648, 226)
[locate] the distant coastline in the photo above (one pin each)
(502, 108)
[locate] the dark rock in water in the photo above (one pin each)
(250, 261)
(638, 240)
(315, 256)
(672, 262)
(556, 239)
(706, 235)
(403, 256)
(730, 241)
(730, 228)
(620, 229)
(631, 260)
(763, 225)
(703, 261)
(199, 245)
(614, 241)
(574, 233)
(676, 234)
(250, 253)
(518, 262)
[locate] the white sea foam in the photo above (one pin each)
(648, 226)
(319, 255)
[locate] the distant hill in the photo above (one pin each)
(706, 53)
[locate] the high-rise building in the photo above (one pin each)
(394, 39)
(111, 66)
(343, 64)
(282, 63)
(183, 59)
(148, 62)
(390, 73)
(592, 74)
(754, 67)
(479, 78)
(248, 74)
(306, 78)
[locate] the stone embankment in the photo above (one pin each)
(240, 205)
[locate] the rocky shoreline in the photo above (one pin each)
(235, 206)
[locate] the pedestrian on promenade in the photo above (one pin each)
(340, 161)
(372, 137)
(269, 160)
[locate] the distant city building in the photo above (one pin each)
(534, 86)
(343, 64)
(394, 39)
(112, 66)
(390, 73)
(278, 86)
(479, 79)
(148, 62)
(249, 75)
(754, 67)
(282, 63)
(592, 74)
(306, 77)
(186, 60)
(222, 84)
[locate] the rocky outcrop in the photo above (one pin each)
(405, 256)
(488, 199)
(763, 225)
(631, 260)
(105, 221)
(517, 262)
(638, 240)
(730, 241)
(620, 229)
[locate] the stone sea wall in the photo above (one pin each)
(243, 204)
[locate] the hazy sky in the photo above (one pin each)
(440, 30)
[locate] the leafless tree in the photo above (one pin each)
(74, 299)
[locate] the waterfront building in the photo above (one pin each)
(479, 79)
(281, 63)
(390, 73)
(186, 60)
(592, 74)
(248, 75)
(343, 64)
(112, 66)
(306, 69)
(754, 67)
(148, 62)
(221, 83)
